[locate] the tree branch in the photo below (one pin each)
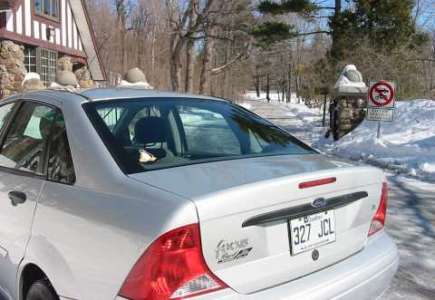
(421, 59)
(237, 58)
(314, 32)
(326, 7)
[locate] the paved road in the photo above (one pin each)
(411, 213)
(411, 222)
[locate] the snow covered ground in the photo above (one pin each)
(406, 145)
(305, 123)
(411, 213)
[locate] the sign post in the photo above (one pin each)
(381, 102)
(324, 111)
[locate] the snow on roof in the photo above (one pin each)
(141, 84)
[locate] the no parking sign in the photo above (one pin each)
(381, 101)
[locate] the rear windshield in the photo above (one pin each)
(149, 134)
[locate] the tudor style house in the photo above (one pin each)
(48, 30)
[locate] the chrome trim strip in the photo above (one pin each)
(304, 210)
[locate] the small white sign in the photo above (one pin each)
(380, 114)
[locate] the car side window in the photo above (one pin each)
(26, 139)
(5, 113)
(111, 116)
(60, 167)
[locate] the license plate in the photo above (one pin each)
(312, 231)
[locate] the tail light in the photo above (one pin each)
(378, 220)
(173, 267)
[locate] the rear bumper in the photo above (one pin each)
(365, 275)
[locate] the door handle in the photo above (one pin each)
(17, 197)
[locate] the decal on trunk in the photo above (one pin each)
(227, 251)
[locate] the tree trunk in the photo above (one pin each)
(153, 50)
(432, 67)
(174, 72)
(204, 66)
(268, 87)
(257, 84)
(121, 15)
(334, 48)
(188, 80)
(283, 89)
(337, 7)
(213, 80)
(298, 86)
(289, 83)
(176, 44)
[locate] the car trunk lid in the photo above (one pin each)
(244, 207)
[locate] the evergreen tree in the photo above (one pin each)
(269, 33)
(379, 35)
(387, 24)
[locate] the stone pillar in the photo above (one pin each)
(350, 93)
(351, 113)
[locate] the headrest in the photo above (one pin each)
(150, 130)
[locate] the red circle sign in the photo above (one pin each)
(381, 93)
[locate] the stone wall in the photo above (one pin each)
(12, 70)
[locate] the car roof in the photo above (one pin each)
(101, 94)
(98, 94)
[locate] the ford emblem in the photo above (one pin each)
(319, 203)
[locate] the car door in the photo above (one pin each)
(22, 175)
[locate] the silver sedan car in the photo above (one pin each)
(142, 195)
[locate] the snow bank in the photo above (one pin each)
(406, 145)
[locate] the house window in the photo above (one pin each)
(48, 61)
(47, 8)
(30, 59)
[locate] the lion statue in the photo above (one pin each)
(84, 78)
(64, 64)
(135, 78)
(32, 82)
